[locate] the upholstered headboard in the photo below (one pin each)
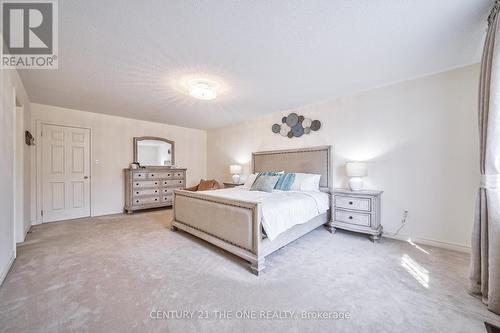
(317, 160)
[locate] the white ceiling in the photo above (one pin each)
(126, 57)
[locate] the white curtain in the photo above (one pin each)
(485, 252)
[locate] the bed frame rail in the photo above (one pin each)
(229, 224)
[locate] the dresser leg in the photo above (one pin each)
(375, 238)
(129, 211)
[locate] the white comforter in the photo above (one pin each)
(281, 210)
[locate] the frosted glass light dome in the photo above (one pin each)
(202, 89)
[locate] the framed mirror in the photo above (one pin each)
(151, 151)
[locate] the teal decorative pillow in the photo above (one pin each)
(285, 182)
(269, 173)
(265, 183)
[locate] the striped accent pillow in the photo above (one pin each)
(265, 183)
(285, 182)
(268, 173)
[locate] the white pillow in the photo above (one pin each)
(249, 181)
(306, 182)
(310, 183)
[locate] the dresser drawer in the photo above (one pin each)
(352, 218)
(173, 182)
(139, 175)
(178, 174)
(146, 184)
(145, 201)
(150, 191)
(170, 190)
(160, 175)
(353, 203)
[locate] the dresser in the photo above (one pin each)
(357, 211)
(151, 187)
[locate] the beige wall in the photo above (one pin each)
(419, 138)
(112, 147)
(10, 86)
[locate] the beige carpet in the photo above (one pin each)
(108, 274)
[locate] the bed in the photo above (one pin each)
(246, 223)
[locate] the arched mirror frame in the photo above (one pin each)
(144, 138)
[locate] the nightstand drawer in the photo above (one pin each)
(353, 203)
(353, 218)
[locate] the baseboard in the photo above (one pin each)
(7, 268)
(26, 230)
(431, 242)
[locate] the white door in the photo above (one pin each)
(65, 173)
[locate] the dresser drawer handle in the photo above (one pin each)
(156, 183)
(350, 217)
(152, 175)
(137, 184)
(137, 201)
(139, 175)
(156, 199)
(350, 202)
(136, 192)
(156, 191)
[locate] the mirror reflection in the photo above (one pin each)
(154, 153)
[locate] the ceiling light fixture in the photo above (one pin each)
(202, 89)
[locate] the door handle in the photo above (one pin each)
(85, 177)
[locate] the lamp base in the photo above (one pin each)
(236, 179)
(356, 183)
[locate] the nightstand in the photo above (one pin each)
(357, 211)
(229, 185)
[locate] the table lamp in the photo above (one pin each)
(355, 172)
(235, 170)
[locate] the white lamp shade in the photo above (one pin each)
(235, 169)
(356, 169)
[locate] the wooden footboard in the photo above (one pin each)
(229, 224)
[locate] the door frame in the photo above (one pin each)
(18, 172)
(15, 164)
(38, 166)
